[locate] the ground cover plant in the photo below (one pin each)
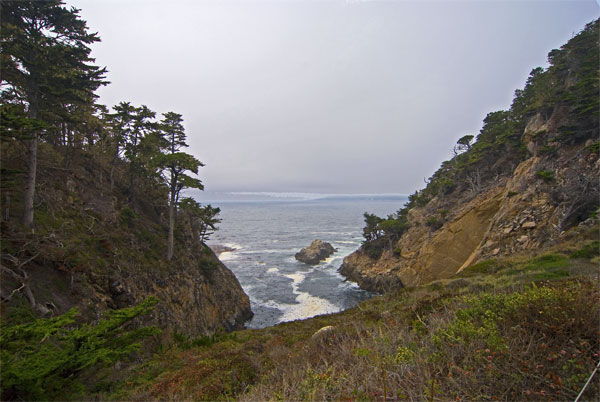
(524, 328)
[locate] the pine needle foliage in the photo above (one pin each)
(42, 360)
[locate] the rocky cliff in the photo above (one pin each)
(98, 248)
(529, 180)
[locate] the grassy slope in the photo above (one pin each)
(523, 328)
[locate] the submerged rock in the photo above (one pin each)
(316, 252)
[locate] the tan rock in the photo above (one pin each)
(528, 225)
(323, 333)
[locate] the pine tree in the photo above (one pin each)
(45, 69)
(174, 164)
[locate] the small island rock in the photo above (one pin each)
(316, 252)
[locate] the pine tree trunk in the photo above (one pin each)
(112, 178)
(171, 217)
(171, 229)
(32, 161)
(30, 183)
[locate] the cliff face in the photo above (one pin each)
(96, 249)
(529, 180)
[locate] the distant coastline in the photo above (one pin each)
(259, 196)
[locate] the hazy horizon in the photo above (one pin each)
(325, 96)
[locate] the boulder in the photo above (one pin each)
(316, 252)
(528, 225)
(323, 334)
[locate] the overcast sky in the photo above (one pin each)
(325, 96)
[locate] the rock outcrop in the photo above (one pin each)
(315, 253)
(512, 216)
(530, 178)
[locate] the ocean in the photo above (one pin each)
(266, 234)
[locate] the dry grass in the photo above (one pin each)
(486, 335)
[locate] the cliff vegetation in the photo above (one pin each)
(93, 218)
(510, 328)
(528, 179)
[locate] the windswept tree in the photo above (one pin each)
(174, 166)
(46, 70)
(463, 144)
(372, 231)
(130, 127)
(203, 220)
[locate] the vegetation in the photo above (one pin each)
(47, 81)
(506, 329)
(565, 95)
(74, 223)
(517, 328)
(47, 93)
(44, 359)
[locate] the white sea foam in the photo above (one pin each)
(297, 277)
(346, 242)
(329, 260)
(274, 269)
(269, 251)
(308, 305)
(228, 256)
(272, 304)
(234, 246)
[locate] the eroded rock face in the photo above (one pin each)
(426, 256)
(513, 214)
(315, 253)
(196, 297)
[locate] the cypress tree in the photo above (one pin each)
(45, 69)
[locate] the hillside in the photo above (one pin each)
(93, 212)
(527, 180)
(509, 329)
(94, 249)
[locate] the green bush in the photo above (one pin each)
(588, 251)
(433, 223)
(595, 147)
(127, 216)
(546, 175)
(41, 360)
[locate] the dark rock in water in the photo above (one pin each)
(316, 252)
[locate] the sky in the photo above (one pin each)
(324, 96)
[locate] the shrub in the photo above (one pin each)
(42, 359)
(127, 216)
(546, 175)
(588, 251)
(595, 147)
(433, 223)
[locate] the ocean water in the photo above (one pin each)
(267, 234)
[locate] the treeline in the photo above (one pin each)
(566, 95)
(48, 96)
